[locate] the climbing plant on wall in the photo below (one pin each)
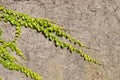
(48, 28)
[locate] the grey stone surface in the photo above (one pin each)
(95, 22)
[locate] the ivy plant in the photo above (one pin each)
(48, 28)
(0, 78)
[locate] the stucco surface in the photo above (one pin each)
(95, 22)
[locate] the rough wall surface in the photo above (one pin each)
(95, 22)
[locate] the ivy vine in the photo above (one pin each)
(48, 28)
(0, 78)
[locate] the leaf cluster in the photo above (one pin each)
(9, 61)
(50, 30)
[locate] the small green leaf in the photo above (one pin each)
(50, 38)
(58, 43)
(67, 36)
(14, 14)
(72, 39)
(63, 45)
(0, 31)
(81, 44)
(12, 22)
(70, 48)
(28, 74)
(46, 33)
(32, 75)
(45, 24)
(1, 8)
(26, 24)
(59, 33)
(30, 25)
(22, 23)
(78, 51)
(5, 19)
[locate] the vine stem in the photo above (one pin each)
(88, 47)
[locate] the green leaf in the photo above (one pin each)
(58, 43)
(35, 24)
(17, 24)
(1, 8)
(28, 74)
(71, 48)
(46, 33)
(50, 38)
(50, 29)
(59, 33)
(45, 24)
(81, 44)
(30, 25)
(67, 36)
(5, 19)
(72, 39)
(26, 24)
(22, 23)
(63, 45)
(0, 31)
(32, 75)
(12, 22)
(86, 57)
(10, 12)
(63, 34)
(67, 44)
(14, 14)
(78, 51)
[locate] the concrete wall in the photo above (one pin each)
(95, 22)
